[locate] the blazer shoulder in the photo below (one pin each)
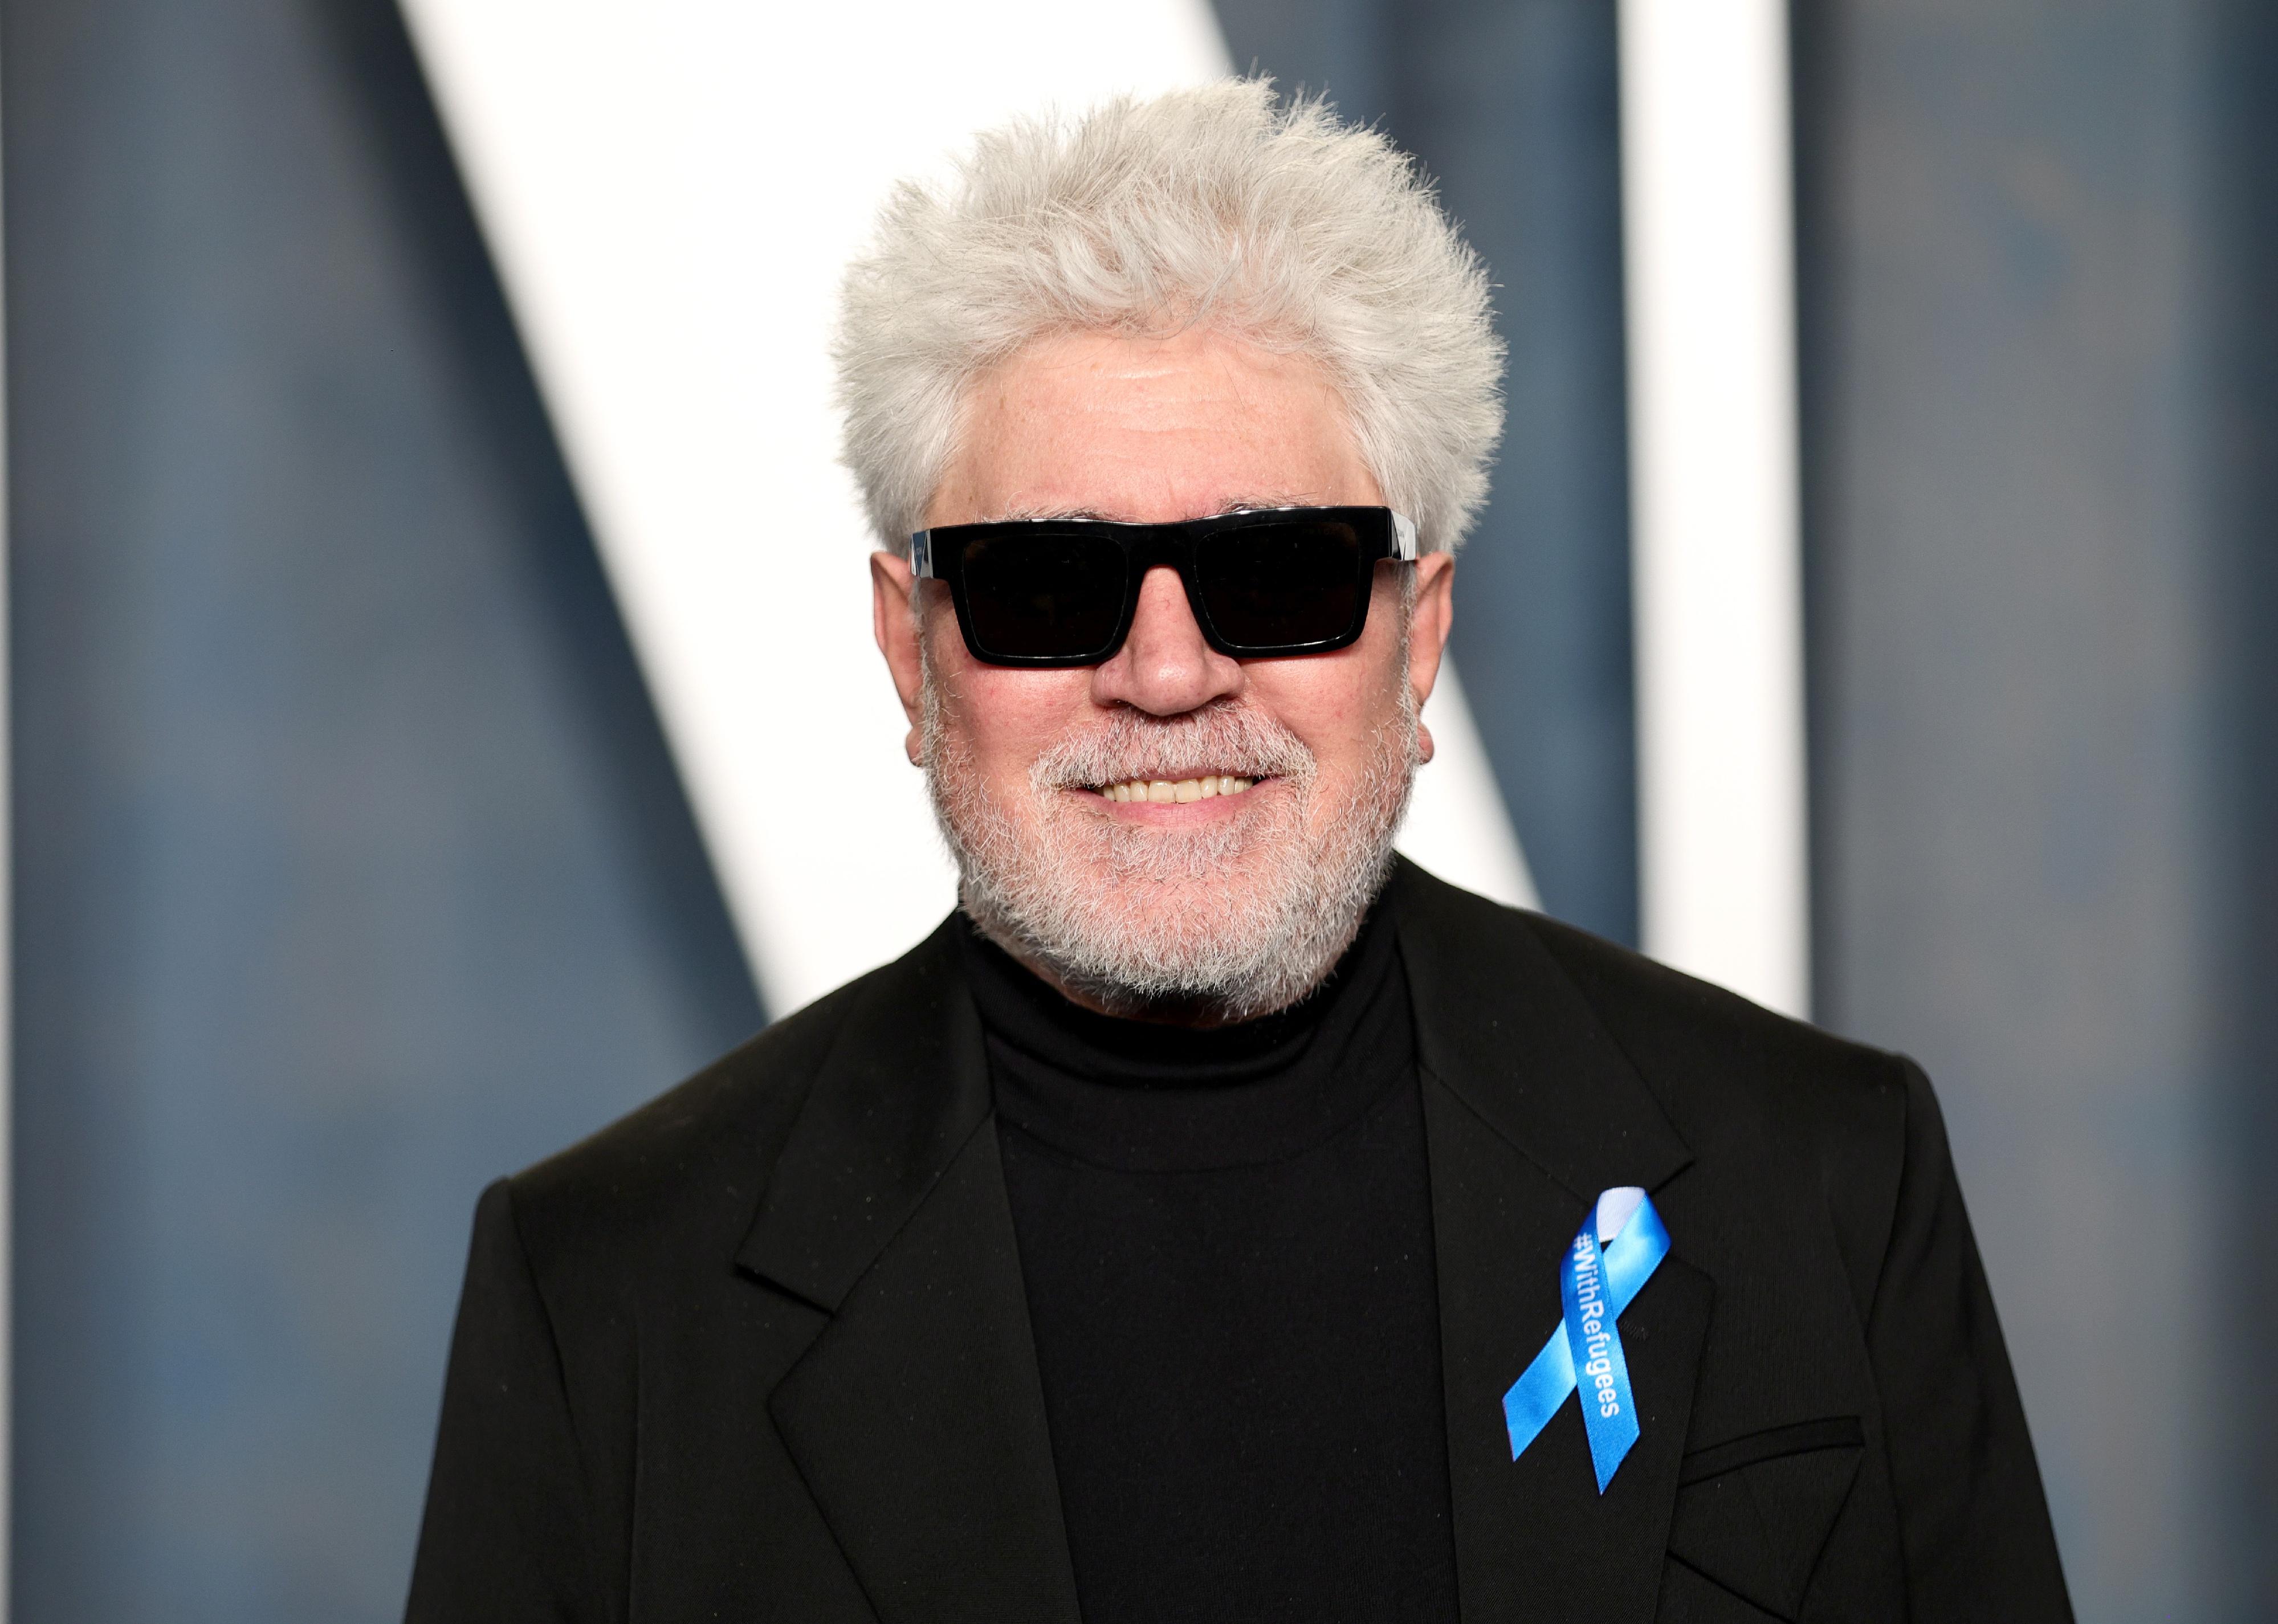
(699, 1155)
(1668, 1013)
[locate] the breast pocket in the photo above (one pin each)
(1753, 1513)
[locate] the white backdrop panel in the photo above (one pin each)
(1709, 239)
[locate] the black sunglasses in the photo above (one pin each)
(1273, 581)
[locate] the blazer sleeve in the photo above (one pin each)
(1972, 1517)
(504, 1539)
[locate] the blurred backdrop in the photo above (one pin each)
(377, 826)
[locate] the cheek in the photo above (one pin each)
(1338, 703)
(1006, 719)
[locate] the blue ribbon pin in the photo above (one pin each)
(1614, 1254)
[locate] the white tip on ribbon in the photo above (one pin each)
(1615, 1208)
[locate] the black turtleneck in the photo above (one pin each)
(1227, 1240)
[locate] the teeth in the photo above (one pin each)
(1165, 791)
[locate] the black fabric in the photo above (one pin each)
(1225, 1237)
(761, 1351)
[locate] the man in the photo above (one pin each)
(1218, 1218)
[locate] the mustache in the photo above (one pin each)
(1228, 737)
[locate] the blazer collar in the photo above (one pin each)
(1531, 1109)
(1500, 1023)
(916, 1416)
(901, 1094)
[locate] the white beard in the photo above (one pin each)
(1225, 923)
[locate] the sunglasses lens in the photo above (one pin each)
(1282, 584)
(1044, 596)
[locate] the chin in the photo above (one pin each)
(1225, 922)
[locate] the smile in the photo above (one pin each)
(1165, 790)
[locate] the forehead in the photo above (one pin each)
(1151, 429)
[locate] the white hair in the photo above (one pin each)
(1219, 206)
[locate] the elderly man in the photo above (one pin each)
(1218, 1218)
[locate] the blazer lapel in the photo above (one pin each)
(916, 1416)
(1529, 1110)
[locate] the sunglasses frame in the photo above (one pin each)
(939, 555)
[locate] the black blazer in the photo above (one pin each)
(761, 1349)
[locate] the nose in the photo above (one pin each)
(1163, 667)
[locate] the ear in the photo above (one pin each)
(894, 623)
(1428, 625)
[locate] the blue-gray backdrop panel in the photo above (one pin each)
(350, 870)
(2041, 423)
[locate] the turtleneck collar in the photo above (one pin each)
(1146, 1097)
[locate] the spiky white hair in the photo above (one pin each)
(1219, 206)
